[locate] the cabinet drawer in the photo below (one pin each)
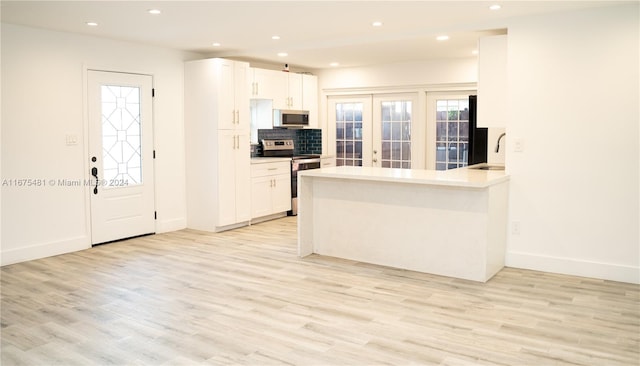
(266, 169)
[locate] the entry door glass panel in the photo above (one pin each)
(396, 134)
(349, 124)
(121, 139)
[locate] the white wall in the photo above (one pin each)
(42, 101)
(574, 99)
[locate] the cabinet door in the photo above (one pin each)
(261, 196)
(310, 98)
(242, 161)
(268, 84)
(281, 193)
(241, 96)
(295, 91)
(227, 148)
(226, 94)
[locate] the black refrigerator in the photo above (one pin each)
(478, 136)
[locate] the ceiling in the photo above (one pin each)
(312, 33)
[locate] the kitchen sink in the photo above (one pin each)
(487, 167)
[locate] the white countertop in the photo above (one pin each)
(463, 177)
(263, 160)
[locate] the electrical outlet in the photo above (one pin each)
(515, 227)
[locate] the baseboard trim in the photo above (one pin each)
(165, 226)
(574, 267)
(43, 250)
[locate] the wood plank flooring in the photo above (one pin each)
(243, 297)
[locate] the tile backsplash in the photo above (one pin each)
(305, 140)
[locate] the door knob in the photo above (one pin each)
(375, 160)
(375, 151)
(94, 172)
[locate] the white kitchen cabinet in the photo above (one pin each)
(218, 170)
(270, 188)
(267, 84)
(292, 93)
(310, 98)
(492, 81)
(234, 178)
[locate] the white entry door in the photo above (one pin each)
(120, 155)
(350, 129)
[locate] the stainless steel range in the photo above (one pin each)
(286, 148)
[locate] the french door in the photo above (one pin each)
(448, 129)
(373, 130)
(120, 155)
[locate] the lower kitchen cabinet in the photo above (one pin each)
(270, 188)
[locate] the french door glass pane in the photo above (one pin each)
(349, 134)
(452, 133)
(396, 134)
(121, 138)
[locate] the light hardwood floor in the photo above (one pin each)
(243, 297)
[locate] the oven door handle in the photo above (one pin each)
(307, 161)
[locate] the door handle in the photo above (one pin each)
(375, 160)
(94, 172)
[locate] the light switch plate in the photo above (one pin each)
(518, 145)
(71, 139)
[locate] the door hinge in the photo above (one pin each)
(154, 154)
(153, 92)
(155, 215)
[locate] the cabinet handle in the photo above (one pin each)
(237, 116)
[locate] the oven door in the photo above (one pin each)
(296, 166)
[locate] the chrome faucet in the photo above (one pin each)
(498, 143)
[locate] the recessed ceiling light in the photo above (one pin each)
(474, 52)
(92, 24)
(216, 44)
(442, 38)
(377, 24)
(154, 11)
(495, 7)
(334, 64)
(275, 37)
(283, 54)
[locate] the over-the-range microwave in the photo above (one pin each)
(290, 118)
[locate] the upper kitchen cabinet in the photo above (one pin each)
(267, 84)
(220, 88)
(492, 81)
(232, 94)
(310, 98)
(293, 93)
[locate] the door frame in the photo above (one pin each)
(88, 189)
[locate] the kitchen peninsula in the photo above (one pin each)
(451, 223)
